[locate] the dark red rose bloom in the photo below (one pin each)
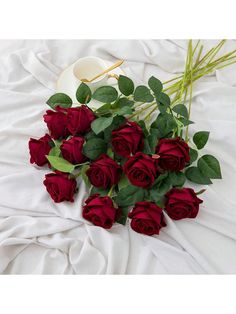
(39, 149)
(60, 186)
(71, 150)
(104, 172)
(100, 211)
(127, 139)
(147, 218)
(174, 154)
(80, 119)
(57, 122)
(182, 203)
(141, 170)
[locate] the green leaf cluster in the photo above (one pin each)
(117, 105)
(207, 166)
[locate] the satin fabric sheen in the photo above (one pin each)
(38, 236)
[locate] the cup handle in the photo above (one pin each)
(112, 78)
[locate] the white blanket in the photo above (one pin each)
(40, 237)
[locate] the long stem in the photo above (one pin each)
(142, 109)
(149, 114)
(191, 90)
(194, 70)
(84, 163)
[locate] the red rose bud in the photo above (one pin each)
(174, 154)
(104, 172)
(127, 139)
(80, 119)
(71, 150)
(141, 170)
(147, 218)
(39, 149)
(182, 203)
(100, 211)
(57, 122)
(60, 187)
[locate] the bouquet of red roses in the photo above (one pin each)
(133, 167)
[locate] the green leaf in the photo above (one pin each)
(83, 94)
(106, 94)
(200, 139)
(90, 135)
(55, 151)
(126, 85)
(129, 195)
(155, 85)
(146, 148)
(193, 155)
(110, 153)
(185, 121)
(143, 94)
(142, 124)
(171, 123)
(165, 124)
(155, 197)
(124, 111)
(123, 102)
(60, 164)
(117, 122)
(153, 139)
(210, 166)
(100, 124)
(163, 99)
(195, 175)
(181, 110)
(94, 147)
(124, 181)
(161, 177)
(100, 191)
(124, 214)
(160, 188)
(162, 108)
(104, 109)
(177, 178)
(59, 99)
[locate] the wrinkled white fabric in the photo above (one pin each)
(40, 237)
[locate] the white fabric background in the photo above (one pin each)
(40, 237)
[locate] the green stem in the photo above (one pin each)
(76, 175)
(149, 114)
(142, 109)
(84, 163)
(200, 192)
(191, 93)
(111, 191)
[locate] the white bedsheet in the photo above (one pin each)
(40, 237)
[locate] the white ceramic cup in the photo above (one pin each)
(89, 67)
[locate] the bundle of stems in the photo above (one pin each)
(197, 65)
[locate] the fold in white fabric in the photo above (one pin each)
(40, 237)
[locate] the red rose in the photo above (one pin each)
(80, 119)
(57, 122)
(141, 170)
(182, 203)
(71, 150)
(104, 172)
(60, 187)
(100, 211)
(127, 139)
(39, 149)
(147, 218)
(174, 154)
